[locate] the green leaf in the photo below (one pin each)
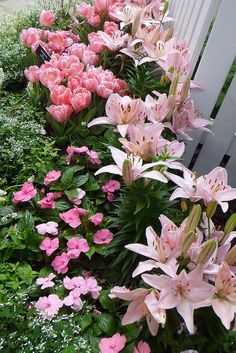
(131, 331)
(67, 178)
(26, 222)
(69, 349)
(86, 321)
(129, 348)
(81, 180)
(107, 324)
(106, 302)
(73, 193)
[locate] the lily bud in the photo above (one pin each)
(230, 258)
(193, 218)
(127, 172)
(163, 80)
(171, 106)
(166, 7)
(173, 86)
(207, 250)
(169, 33)
(223, 239)
(185, 90)
(210, 210)
(184, 206)
(135, 24)
(230, 224)
(187, 241)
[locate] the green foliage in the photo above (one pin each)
(15, 276)
(144, 79)
(138, 207)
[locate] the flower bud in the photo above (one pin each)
(163, 80)
(135, 24)
(184, 206)
(185, 90)
(169, 33)
(230, 258)
(173, 86)
(187, 241)
(210, 210)
(207, 250)
(230, 224)
(127, 172)
(193, 218)
(166, 7)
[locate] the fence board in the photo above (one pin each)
(231, 166)
(224, 128)
(214, 66)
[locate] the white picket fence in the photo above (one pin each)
(192, 22)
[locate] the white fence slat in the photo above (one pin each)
(231, 165)
(224, 129)
(214, 66)
(189, 20)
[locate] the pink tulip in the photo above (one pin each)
(47, 18)
(46, 282)
(72, 217)
(103, 236)
(89, 57)
(60, 95)
(94, 20)
(30, 36)
(32, 73)
(102, 6)
(110, 27)
(60, 113)
(73, 299)
(96, 219)
(89, 81)
(25, 194)
(77, 49)
(76, 246)
(49, 228)
(96, 42)
(60, 263)
(51, 176)
(56, 41)
(142, 347)
(74, 82)
(49, 245)
(81, 99)
(114, 344)
(50, 77)
(85, 10)
(48, 201)
(49, 306)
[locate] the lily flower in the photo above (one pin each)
(115, 41)
(122, 111)
(181, 292)
(145, 140)
(144, 303)
(131, 167)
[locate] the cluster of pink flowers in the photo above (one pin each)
(207, 279)
(116, 344)
(78, 151)
(77, 286)
(109, 189)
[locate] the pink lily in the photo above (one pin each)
(224, 300)
(144, 303)
(122, 111)
(115, 40)
(181, 292)
(157, 250)
(145, 140)
(157, 110)
(137, 169)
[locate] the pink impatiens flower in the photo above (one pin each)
(51, 176)
(46, 282)
(73, 299)
(111, 186)
(76, 282)
(60, 263)
(72, 217)
(48, 201)
(97, 218)
(71, 150)
(49, 228)
(93, 157)
(103, 236)
(49, 306)
(143, 347)
(92, 287)
(25, 194)
(114, 344)
(49, 245)
(77, 200)
(75, 246)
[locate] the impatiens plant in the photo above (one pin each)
(105, 254)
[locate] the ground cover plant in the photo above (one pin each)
(108, 243)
